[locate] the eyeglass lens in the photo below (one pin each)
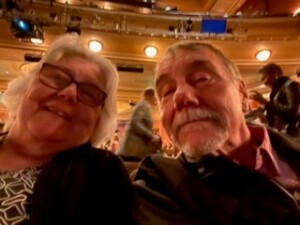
(54, 77)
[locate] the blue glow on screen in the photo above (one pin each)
(217, 26)
(22, 25)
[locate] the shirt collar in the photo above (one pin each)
(261, 156)
(264, 150)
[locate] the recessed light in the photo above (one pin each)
(151, 51)
(95, 46)
(263, 55)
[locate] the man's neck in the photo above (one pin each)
(239, 140)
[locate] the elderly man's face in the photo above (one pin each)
(201, 106)
(57, 115)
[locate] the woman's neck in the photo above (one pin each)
(15, 155)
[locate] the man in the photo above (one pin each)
(139, 139)
(283, 107)
(228, 172)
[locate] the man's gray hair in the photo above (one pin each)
(64, 46)
(195, 46)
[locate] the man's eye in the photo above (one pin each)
(166, 91)
(201, 79)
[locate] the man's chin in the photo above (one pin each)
(198, 147)
(196, 151)
(194, 140)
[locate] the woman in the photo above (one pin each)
(50, 173)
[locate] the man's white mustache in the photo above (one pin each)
(194, 114)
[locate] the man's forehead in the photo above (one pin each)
(185, 57)
(199, 51)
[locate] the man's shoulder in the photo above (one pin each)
(155, 170)
(141, 104)
(287, 82)
(159, 163)
(159, 159)
(139, 109)
(295, 86)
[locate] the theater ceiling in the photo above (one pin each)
(125, 28)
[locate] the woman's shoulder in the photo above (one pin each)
(102, 154)
(87, 154)
(92, 160)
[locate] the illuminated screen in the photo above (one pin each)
(22, 25)
(217, 26)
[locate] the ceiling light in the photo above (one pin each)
(95, 46)
(151, 51)
(263, 55)
(170, 8)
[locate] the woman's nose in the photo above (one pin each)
(69, 93)
(185, 96)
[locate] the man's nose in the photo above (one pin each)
(184, 96)
(69, 93)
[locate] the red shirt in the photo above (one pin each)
(264, 159)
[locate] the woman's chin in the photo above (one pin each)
(48, 133)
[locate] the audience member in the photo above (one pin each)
(50, 171)
(228, 172)
(283, 108)
(114, 142)
(160, 142)
(139, 139)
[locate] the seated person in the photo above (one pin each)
(229, 172)
(51, 173)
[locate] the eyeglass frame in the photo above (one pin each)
(72, 80)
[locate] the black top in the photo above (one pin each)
(83, 185)
(287, 104)
(215, 191)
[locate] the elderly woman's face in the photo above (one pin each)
(64, 114)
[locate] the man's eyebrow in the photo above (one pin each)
(164, 77)
(201, 62)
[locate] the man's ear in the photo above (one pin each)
(244, 96)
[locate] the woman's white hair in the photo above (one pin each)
(64, 46)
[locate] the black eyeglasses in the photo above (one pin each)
(55, 77)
